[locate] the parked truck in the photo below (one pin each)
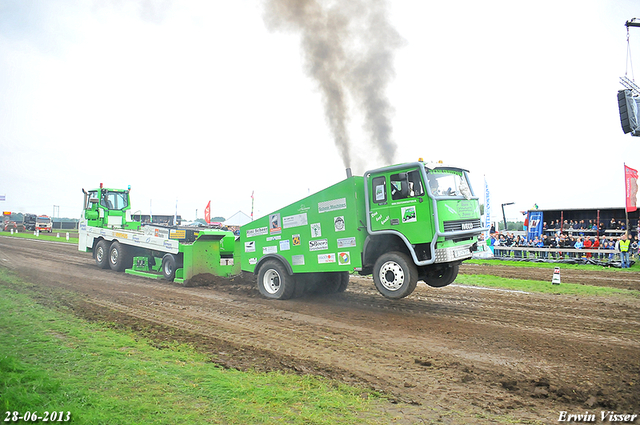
(401, 224)
(43, 224)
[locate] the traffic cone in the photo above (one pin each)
(556, 276)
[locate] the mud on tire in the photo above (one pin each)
(274, 282)
(395, 275)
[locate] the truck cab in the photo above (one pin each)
(43, 224)
(425, 213)
(109, 209)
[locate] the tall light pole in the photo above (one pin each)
(503, 216)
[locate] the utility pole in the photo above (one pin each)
(504, 218)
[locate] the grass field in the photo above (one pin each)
(51, 361)
(44, 236)
(489, 281)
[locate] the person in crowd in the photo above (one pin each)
(578, 245)
(623, 246)
(633, 249)
(587, 245)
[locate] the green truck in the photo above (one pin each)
(401, 224)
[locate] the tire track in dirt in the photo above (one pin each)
(457, 348)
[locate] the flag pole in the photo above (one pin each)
(252, 205)
(626, 212)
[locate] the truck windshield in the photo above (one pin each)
(448, 183)
(114, 200)
(43, 220)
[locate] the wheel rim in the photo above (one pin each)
(100, 254)
(271, 281)
(167, 269)
(391, 276)
(114, 256)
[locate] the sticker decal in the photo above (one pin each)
(326, 258)
(250, 246)
(297, 260)
(295, 240)
(316, 230)
(294, 220)
(257, 232)
(347, 242)
(409, 214)
(318, 245)
(274, 224)
(284, 245)
(338, 223)
(269, 250)
(333, 205)
(344, 258)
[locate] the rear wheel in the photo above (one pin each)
(169, 267)
(102, 254)
(274, 282)
(395, 275)
(441, 276)
(119, 257)
(332, 282)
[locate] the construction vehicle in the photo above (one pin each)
(29, 222)
(43, 224)
(402, 223)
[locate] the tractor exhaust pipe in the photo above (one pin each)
(349, 175)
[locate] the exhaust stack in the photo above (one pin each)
(349, 175)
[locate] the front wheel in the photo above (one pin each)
(395, 275)
(274, 282)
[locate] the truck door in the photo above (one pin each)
(399, 203)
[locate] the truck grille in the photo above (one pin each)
(456, 225)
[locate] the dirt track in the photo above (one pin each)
(455, 354)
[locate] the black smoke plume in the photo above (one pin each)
(348, 49)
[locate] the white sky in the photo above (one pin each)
(195, 100)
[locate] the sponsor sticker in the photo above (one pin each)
(250, 246)
(285, 245)
(269, 250)
(316, 230)
(344, 258)
(338, 223)
(297, 260)
(253, 261)
(275, 227)
(295, 239)
(333, 205)
(409, 214)
(259, 231)
(294, 220)
(347, 242)
(318, 245)
(326, 258)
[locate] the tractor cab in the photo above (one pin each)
(108, 208)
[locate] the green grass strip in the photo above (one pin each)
(541, 286)
(44, 236)
(541, 265)
(52, 361)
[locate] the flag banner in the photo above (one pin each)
(534, 228)
(487, 206)
(631, 188)
(207, 213)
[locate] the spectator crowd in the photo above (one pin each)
(570, 235)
